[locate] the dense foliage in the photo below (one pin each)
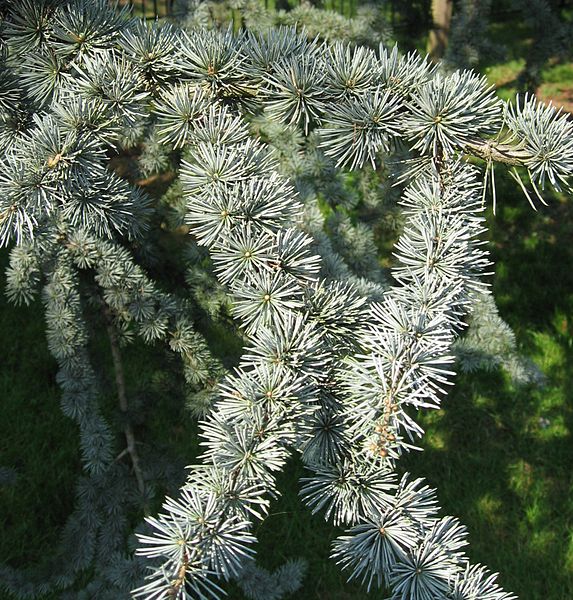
(262, 127)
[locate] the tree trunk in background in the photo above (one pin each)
(441, 19)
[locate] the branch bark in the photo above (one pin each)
(497, 151)
(124, 406)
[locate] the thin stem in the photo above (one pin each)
(123, 405)
(491, 150)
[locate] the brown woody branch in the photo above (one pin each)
(491, 150)
(123, 405)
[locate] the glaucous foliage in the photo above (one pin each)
(330, 371)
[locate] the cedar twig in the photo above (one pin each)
(123, 405)
(497, 152)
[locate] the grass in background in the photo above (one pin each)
(35, 437)
(500, 456)
(513, 40)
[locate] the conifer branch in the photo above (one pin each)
(334, 365)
